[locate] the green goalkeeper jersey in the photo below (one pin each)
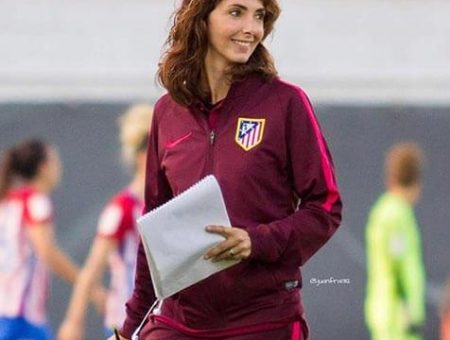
(396, 280)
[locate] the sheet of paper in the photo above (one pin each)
(175, 239)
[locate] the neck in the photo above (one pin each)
(40, 185)
(409, 194)
(137, 185)
(217, 80)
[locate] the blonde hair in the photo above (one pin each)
(134, 127)
(404, 164)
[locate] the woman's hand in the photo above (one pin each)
(237, 244)
(113, 337)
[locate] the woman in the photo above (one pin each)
(117, 236)
(29, 172)
(227, 114)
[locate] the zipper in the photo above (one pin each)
(212, 137)
(210, 125)
(210, 161)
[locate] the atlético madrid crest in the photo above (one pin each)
(249, 132)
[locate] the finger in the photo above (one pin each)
(244, 247)
(238, 241)
(220, 230)
(232, 254)
(221, 248)
(239, 252)
(229, 254)
(243, 255)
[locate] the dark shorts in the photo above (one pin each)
(155, 330)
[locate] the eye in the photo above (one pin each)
(235, 12)
(260, 16)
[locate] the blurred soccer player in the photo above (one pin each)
(395, 302)
(117, 236)
(29, 172)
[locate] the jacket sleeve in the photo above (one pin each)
(157, 192)
(295, 238)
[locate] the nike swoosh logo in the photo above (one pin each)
(178, 141)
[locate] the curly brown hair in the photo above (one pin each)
(181, 67)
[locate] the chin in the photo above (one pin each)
(241, 60)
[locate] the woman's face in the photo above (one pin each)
(235, 28)
(51, 169)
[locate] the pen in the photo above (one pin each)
(116, 334)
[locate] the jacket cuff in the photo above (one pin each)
(262, 244)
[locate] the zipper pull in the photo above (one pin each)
(212, 137)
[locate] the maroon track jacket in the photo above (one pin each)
(265, 147)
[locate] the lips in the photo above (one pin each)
(242, 43)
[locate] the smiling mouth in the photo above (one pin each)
(242, 43)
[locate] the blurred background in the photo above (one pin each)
(377, 72)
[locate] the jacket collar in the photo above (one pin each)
(238, 89)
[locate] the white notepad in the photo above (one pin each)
(175, 239)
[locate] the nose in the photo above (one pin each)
(252, 25)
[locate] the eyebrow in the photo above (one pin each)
(261, 9)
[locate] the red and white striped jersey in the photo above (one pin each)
(118, 222)
(24, 278)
